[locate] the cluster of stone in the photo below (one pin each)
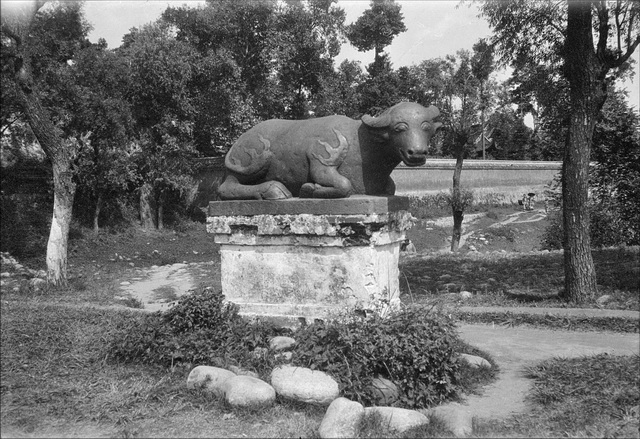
(13, 272)
(343, 418)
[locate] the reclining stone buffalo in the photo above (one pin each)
(327, 157)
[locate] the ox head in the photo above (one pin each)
(406, 129)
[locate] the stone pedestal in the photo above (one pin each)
(306, 257)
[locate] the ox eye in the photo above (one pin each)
(401, 127)
(426, 126)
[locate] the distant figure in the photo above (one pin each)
(407, 246)
(528, 201)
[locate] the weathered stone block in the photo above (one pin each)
(304, 257)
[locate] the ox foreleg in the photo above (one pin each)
(328, 183)
(232, 189)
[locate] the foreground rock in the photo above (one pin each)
(281, 343)
(247, 391)
(398, 419)
(456, 418)
(239, 371)
(341, 419)
(475, 361)
(304, 385)
(209, 378)
(385, 391)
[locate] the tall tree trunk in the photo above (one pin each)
(456, 202)
(61, 154)
(146, 211)
(587, 93)
(96, 213)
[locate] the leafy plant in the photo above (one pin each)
(202, 328)
(411, 347)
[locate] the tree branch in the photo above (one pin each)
(630, 49)
(603, 31)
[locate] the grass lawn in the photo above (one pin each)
(56, 379)
(595, 396)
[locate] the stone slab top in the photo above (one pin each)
(354, 205)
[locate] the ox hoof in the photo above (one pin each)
(275, 191)
(307, 190)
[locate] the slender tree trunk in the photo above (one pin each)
(456, 202)
(96, 213)
(146, 212)
(160, 213)
(587, 93)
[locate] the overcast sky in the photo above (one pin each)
(434, 28)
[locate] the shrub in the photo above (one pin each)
(607, 228)
(200, 329)
(429, 206)
(411, 347)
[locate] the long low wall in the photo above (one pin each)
(511, 178)
(484, 175)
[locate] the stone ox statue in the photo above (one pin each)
(327, 157)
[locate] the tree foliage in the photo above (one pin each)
(376, 28)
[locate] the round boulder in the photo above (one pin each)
(247, 391)
(304, 385)
(398, 419)
(385, 392)
(455, 417)
(281, 343)
(475, 361)
(209, 378)
(341, 419)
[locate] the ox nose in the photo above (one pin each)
(416, 153)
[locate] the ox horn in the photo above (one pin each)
(381, 121)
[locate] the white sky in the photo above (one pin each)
(434, 28)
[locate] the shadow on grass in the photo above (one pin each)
(512, 279)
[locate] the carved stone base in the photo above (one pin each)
(307, 257)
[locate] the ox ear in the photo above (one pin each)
(432, 112)
(436, 126)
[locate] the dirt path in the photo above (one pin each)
(517, 348)
(158, 287)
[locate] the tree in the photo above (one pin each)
(103, 169)
(38, 42)
(481, 67)
(309, 37)
(593, 40)
(338, 92)
(162, 70)
(376, 29)
(615, 174)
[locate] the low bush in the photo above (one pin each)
(412, 348)
(607, 228)
(200, 329)
(429, 206)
